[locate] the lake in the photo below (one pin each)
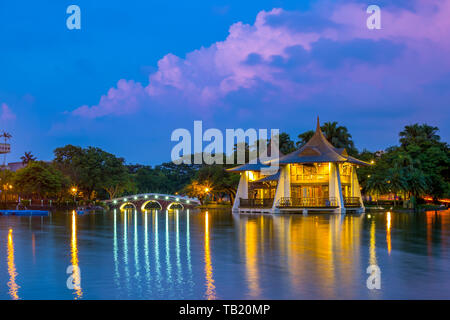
(219, 255)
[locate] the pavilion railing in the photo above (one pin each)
(289, 202)
(352, 202)
(256, 203)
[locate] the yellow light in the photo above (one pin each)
(206, 189)
(372, 162)
(13, 287)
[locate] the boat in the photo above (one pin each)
(87, 209)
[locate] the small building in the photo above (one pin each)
(316, 177)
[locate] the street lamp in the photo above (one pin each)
(74, 191)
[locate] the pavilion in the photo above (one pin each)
(316, 177)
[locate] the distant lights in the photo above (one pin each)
(156, 196)
(145, 196)
(125, 199)
(167, 197)
(177, 199)
(135, 198)
(115, 201)
(187, 201)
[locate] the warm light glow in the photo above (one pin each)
(388, 231)
(210, 287)
(13, 287)
(206, 189)
(74, 260)
(372, 249)
(372, 162)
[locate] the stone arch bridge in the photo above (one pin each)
(149, 201)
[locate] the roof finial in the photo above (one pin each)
(318, 124)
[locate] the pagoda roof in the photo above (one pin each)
(319, 149)
(249, 167)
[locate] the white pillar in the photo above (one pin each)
(335, 187)
(283, 186)
(356, 190)
(242, 190)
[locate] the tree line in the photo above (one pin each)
(418, 166)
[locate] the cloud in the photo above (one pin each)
(6, 113)
(293, 59)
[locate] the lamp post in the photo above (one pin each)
(74, 191)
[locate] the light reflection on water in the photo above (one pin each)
(217, 255)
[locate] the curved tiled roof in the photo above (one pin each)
(318, 149)
(249, 167)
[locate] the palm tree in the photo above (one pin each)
(416, 184)
(6, 136)
(415, 134)
(338, 136)
(304, 138)
(376, 184)
(27, 158)
(396, 181)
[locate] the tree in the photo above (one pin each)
(286, 145)
(338, 136)
(218, 180)
(417, 134)
(93, 170)
(396, 181)
(27, 158)
(198, 190)
(377, 184)
(116, 177)
(304, 138)
(40, 179)
(416, 185)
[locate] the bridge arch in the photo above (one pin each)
(175, 203)
(123, 205)
(151, 201)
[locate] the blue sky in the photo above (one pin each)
(262, 64)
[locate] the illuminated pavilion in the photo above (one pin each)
(316, 177)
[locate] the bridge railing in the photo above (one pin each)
(155, 196)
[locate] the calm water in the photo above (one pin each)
(218, 255)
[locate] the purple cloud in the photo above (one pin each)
(280, 60)
(6, 113)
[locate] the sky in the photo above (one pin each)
(138, 70)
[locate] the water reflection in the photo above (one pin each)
(179, 254)
(210, 287)
(74, 253)
(13, 287)
(388, 232)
